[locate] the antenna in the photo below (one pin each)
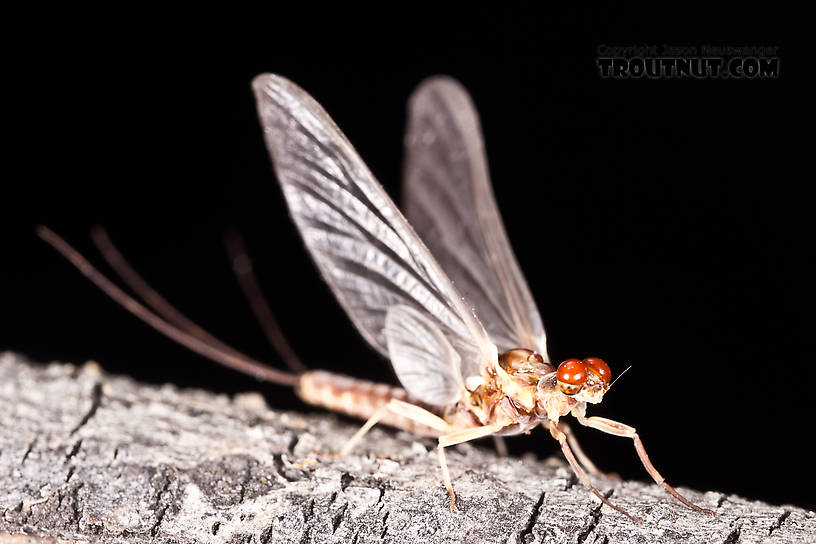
(619, 375)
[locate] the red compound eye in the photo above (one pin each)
(572, 375)
(572, 371)
(599, 368)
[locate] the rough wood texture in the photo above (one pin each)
(85, 456)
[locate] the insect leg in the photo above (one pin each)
(361, 432)
(457, 437)
(466, 435)
(576, 468)
(418, 414)
(579, 452)
(501, 446)
(619, 429)
(404, 409)
(446, 479)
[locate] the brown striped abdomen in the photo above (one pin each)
(358, 398)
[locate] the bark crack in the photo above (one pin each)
(266, 535)
(28, 451)
(594, 519)
(337, 518)
(96, 401)
(293, 442)
(308, 515)
(734, 536)
(571, 481)
(73, 451)
(345, 480)
(527, 532)
(246, 478)
(59, 499)
(77, 515)
(736, 531)
(162, 510)
(385, 525)
(779, 521)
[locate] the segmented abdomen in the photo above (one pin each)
(358, 398)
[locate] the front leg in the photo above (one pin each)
(619, 429)
(585, 461)
(556, 433)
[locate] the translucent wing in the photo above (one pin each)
(365, 249)
(424, 361)
(449, 200)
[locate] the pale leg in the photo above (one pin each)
(411, 411)
(579, 452)
(361, 432)
(620, 429)
(449, 437)
(576, 468)
(501, 447)
(457, 437)
(446, 479)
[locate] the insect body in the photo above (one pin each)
(446, 303)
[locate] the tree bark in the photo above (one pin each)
(86, 456)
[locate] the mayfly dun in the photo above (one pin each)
(438, 291)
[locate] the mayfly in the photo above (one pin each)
(438, 291)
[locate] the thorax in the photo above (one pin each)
(516, 401)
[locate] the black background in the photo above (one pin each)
(657, 222)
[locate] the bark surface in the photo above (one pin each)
(86, 456)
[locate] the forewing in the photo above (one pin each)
(365, 249)
(450, 203)
(424, 361)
